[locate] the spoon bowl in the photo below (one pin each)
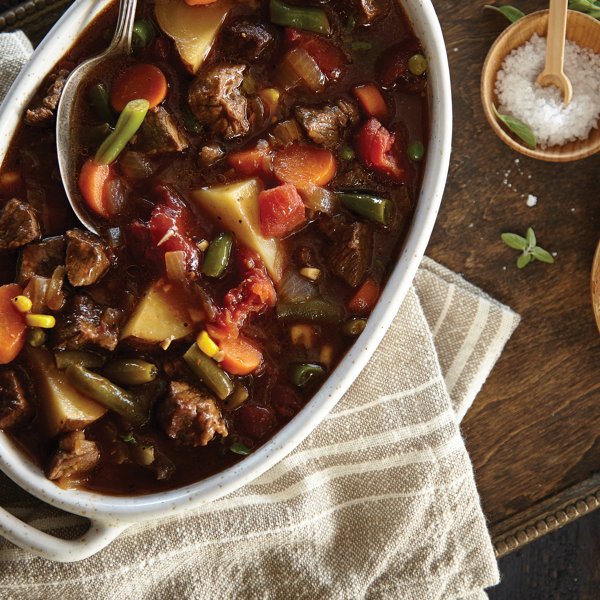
(581, 29)
(65, 121)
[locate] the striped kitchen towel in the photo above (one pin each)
(378, 502)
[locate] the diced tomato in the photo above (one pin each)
(281, 211)
(331, 60)
(377, 149)
(170, 229)
(253, 161)
(254, 294)
(364, 300)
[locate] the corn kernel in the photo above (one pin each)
(326, 356)
(22, 303)
(206, 344)
(270, 96)
(310, 273)
(303, 335)
(42, 321)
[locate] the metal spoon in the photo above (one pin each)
(553, 73)
(65, 139)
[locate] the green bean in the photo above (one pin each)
(217, 255)
(354, 327)
(303, 374)
(239, 396)
(417, 64)
(130, 371)
(89, 360)
(100, 101)
(143, 33)
(378, 210)
(311, 310)
(416, 151)
(347, 153)
(108, 394)
(130, 120)
(306, 18)
(239, 448)
(208, 372)
(36, 337)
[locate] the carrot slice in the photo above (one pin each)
(364, 300)
(241, 356)
(371, 100)
(92, 181)
(253, 161)
(300, 165)
(12, 324)
(138, 82)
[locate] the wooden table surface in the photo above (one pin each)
(534, 430)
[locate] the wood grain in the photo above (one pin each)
(534, 430)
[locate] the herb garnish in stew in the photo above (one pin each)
(252, 170)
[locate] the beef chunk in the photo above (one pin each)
(87, 324)
(210, 154)
(371, 10)
(41, 259)
(248, 39)
(190, 416)
(43, 114)
(326, 125)
(350, 255)
(19, 225)
(160, 133)
(87, 258)
(14, 407)
(216, 100)
(356, 177)
(74, 459)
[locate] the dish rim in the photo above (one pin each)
(128, 509)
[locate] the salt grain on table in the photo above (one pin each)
(542, 109)
(531, 200)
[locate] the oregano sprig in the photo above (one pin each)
(530, 251)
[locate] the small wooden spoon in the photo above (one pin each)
(553, 73)
(596, 286)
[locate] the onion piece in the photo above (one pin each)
(319, 199)
(36, 291)
(135, 165)
(175, 265)
(55, 296)
(295, 288)
(286, 133)
(298, 66)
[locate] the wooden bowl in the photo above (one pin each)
(582, 29)
(596, 286)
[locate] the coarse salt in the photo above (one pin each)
(531, 200)
(542, 109)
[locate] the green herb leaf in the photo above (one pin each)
(524, 260)
(129, 438)
(531, 237)
(512, 240)
(586, 6)
(520, 129)
(510, 12)
(241, 449)
(542, 255)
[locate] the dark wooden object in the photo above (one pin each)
(534, 431)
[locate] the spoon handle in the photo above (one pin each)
(122, 38)
(557, 30)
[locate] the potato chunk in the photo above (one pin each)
(62, 407)
(165, 312)
(236, 206)
(193, 28)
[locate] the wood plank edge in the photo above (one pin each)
(546, 516)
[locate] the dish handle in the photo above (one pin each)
(99, 535)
